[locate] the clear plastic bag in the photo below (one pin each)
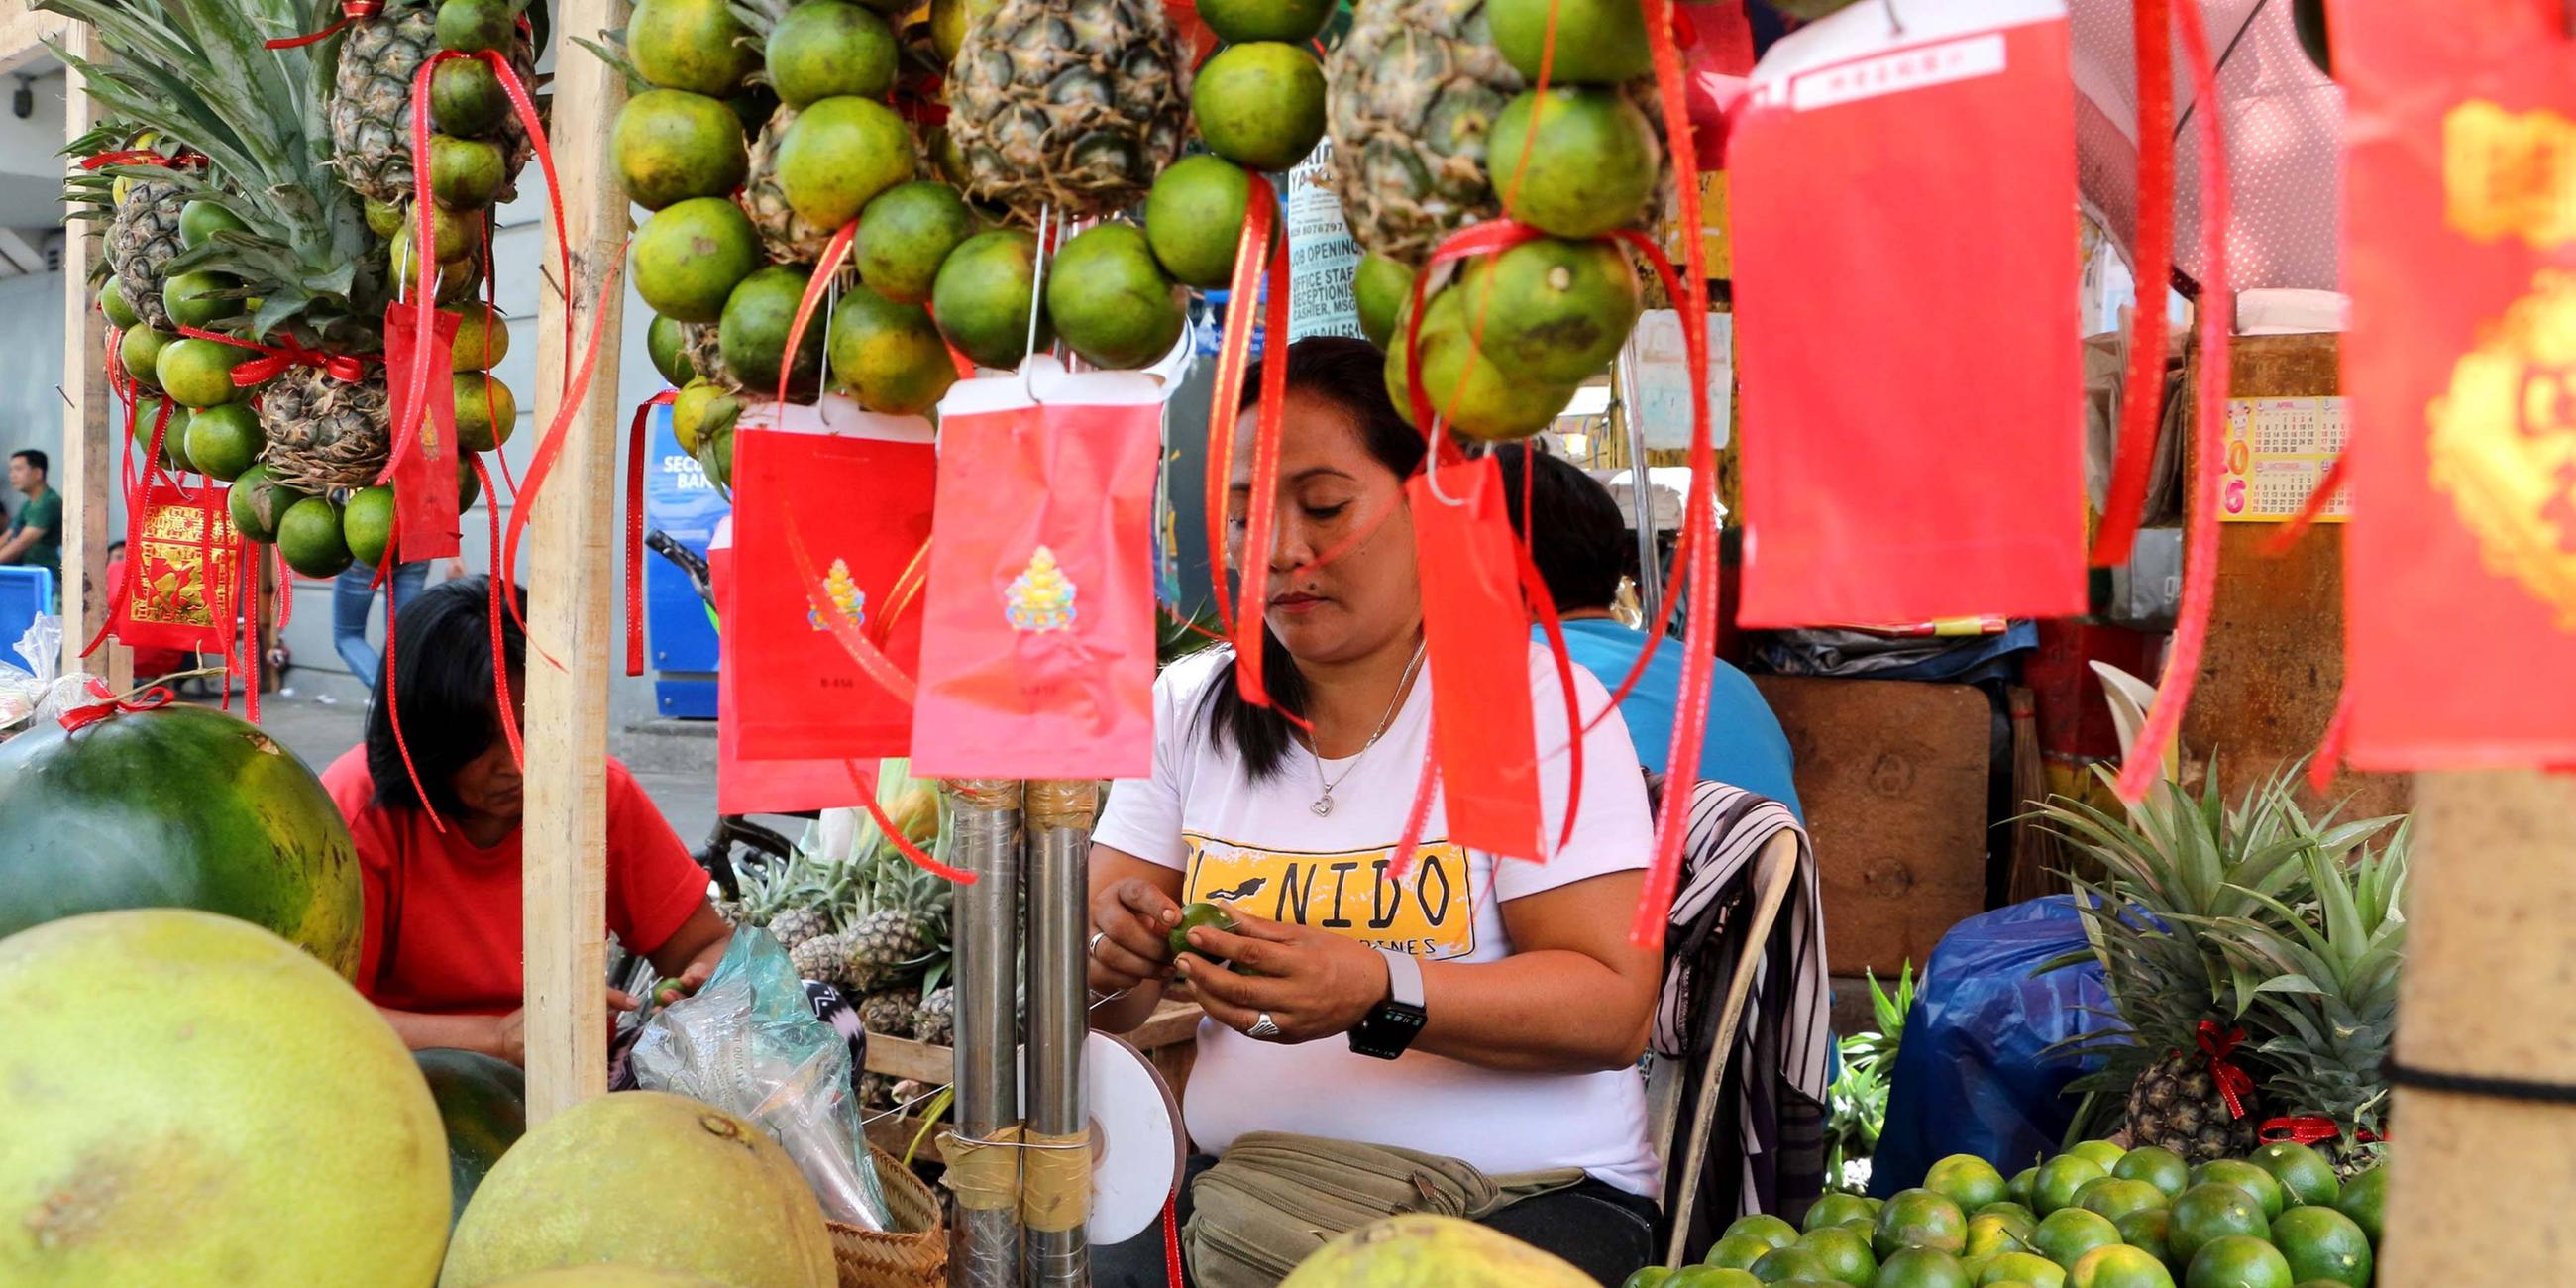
(749, 1043)
(24, 691)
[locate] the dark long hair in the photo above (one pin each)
(1350, 374)
(442, 676)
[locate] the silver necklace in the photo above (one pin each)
(1324, 803)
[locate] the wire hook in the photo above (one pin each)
(1896, 24)
(1431, 470)
(1037, 301)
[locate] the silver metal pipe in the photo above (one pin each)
(1641, 498)
(985, 820)
(1060, 815)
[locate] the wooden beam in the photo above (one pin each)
(572, 614)
(24, 31)
(88, 478)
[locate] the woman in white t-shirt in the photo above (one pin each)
(1487, 1010)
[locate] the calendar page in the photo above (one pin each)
(2277, 451)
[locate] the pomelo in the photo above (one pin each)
(1466, 390)
(1110, 300)
(1921, 1268)
(2365, 1198)
(839, 155)
(1241, 21)
(472, 26)
(1598, 42)
(754, 330)
(140, 349)
(483, 1104)
(907, 233)
(888, 355)
(2100, 1151)
(2306, 1178)
(672, 145)
(2238, 1261)
(1558, 311)
(1738, 1251)
(2061, 1178)
(2066, 1234)
(1964, 1179)
(1432, 1252)
(310, 538)
(1260, 105)
(2321, 1243)
(1194, 219)
(112, 303)
(651, 1179)
(695, 45)
(466, 98)
(486, 411)
(259, 503)
(669, 349)
(224, 441)
(2119, 1266)
(1589, 166)
(2209, 1212)
(194, 1101)
(482, 340)
(983, 296)
(2247, 1177)
(1381, 286)
(466, 174)
(367, 525)
(827, 49)
(1837, 1208)
(690, 255)
(2157, 1166)
(199, 373)
(200, 220)
(1844, 1252)
(2023, 1267)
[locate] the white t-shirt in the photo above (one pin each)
(1260, 845)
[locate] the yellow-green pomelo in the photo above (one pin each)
(826, 49)
(1110, 299)
(1432, 1252)
(1597, 42)
(1260, 105)
(695, 45)
(1194, 219)
(906, 234)
(1574, 163)
(192, 1101)
(690, 255)
(672, 145)
(888, 355)
(839, 155)
(647, 1178)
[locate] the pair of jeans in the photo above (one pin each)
(1605, 1231)
(352, 599)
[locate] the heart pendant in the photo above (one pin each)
(1323, 805)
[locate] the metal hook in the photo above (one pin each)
(1037, 300)
(1896, 24)
(1431, 470)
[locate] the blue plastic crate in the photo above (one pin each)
(24, 593)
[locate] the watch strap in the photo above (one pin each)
(1403, 978)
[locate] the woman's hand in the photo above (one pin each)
(508, 1038)
(1311, 983)
(1133, 922)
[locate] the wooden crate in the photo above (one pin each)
(1169, 1039)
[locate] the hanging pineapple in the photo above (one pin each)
(1068, 105)
(371, 103)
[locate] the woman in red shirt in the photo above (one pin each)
(441, 860)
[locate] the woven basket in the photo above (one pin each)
(915, 1255)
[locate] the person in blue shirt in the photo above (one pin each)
(1579, 543)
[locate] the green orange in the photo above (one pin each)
(825, 49)
(2238, 1261)
(2157, 1166)
(112, 302)
(466, 174)
(2209, 1212)
(2100, 1151)
(1845, 1253)
(1194, 219)
(2066, 1234)
(1921, 1268)
(2116, 1198)
(1920, 1219)
(1964, 1179)
(754, 332)
(2023, 1268)
(2322, 1243)
(1991, 1234)
(2306, 1178)
(907, 233)
(1769, 1229)
(482, 340)
(486, 411)
(839, 155)
(2119, 1266)
(1110, 300)
(2365, 1197)
(367, 524)
(224, 441)
(1738, 1251)
(258, 504)
(1595, 42)
(310, 538)
(1839, 1209)
(2247, 1177)
(201, 299)
(1558, 311)
(1790, 1263)
(2024, 1187)
(1260, 105)
(690, 255)
(983, 295)
(672, 145)
(199, 373)
(696, 45)
(2061, 1179)
(1240, 21)
(2149, 1230)
(1381, 287)
(1575, 163)
(887, 354)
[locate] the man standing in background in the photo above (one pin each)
(35, 537)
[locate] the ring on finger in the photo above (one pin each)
(1263, 1027)
(1092, 949)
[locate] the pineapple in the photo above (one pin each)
(824, 959)
(890, 1012)
(142, 239)
(706, 353)
(876, 1093)
(935, 1021)
(796, 925)
(371, 101)
(2178, 866)
(2317, 985)
(1416, 85)
(323, 433)
(1069, 105)
(790, 238)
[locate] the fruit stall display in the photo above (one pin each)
(261, 219)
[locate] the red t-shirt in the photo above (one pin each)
(453, 911)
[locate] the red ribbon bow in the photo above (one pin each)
(346, 368)
(350, 11)
(2309, 1130)
(109, 705)
(2234, 1084)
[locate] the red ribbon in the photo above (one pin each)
(2234, 1084)
(108, 706)
(635, 528)
(142, 157)
(2142, 397)
(346, 368)
(2309, 1129)
(2145, 762)
(816, 287)
(2318, 499)
(1257, 273)
(903, 844)
(350, 11)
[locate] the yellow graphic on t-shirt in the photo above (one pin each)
(1430, 914)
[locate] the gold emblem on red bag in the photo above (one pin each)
(1040, 598)
(175, 553)
(2509, 174)
(843, 590)
(2504, 443)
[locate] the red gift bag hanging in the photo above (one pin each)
(831, 507)
(764, 786)
(1038, 652)
(183, 570)
(1905, 250)
(2460, 375)
(1476, 631)
(424, 478)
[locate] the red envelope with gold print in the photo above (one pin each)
(183, 568)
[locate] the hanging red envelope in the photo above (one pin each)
(425, 510)
(831, 506)
(1038, 655)
(1905, 250)
(2460, 376)
(183, 565)
(1476, 629)
(764, 786)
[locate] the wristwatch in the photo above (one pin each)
(1385, 1032)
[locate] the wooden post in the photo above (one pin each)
(2477, 1181)
(572, 614)
(87, 471)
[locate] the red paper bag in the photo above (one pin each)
(1476, 631)
(1905, 286)
(830, 505)
(765, 786)
(183, 570)
(426, 524)
(1038, 656)
(2461, 384)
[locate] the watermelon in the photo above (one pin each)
(484, 1102)
(179, 807)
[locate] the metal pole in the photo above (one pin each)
(1641, 499)
(1057, 1170)
(986, 815)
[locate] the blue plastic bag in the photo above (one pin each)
(1974, 1074)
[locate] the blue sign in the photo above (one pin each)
(681, 502)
